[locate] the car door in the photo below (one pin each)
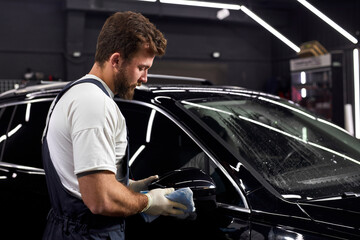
(24, 202)
(159, 145)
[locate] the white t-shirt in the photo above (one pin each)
(86, 132)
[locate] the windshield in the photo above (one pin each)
(301, 156)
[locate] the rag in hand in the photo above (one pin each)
(183, 196)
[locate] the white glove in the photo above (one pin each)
(158, 204)
(142, 185)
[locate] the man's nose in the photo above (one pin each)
(143, 77)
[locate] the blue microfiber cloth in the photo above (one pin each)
(183, 196)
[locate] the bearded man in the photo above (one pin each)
(85, 139)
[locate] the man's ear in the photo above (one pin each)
(115, 60)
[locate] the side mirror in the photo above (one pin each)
(201, 184)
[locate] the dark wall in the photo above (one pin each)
(243, 51)
(44, 34)
(191, 42)
(32, 35)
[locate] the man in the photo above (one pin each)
(85, 141)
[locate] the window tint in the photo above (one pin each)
(158, 146)
(23, 144)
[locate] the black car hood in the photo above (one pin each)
(340, 214)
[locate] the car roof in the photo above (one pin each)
(54, 86)
(176, 87)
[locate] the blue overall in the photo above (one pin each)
(69, 218)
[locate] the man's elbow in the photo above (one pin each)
(99, 207)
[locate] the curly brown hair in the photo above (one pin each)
(126, 32)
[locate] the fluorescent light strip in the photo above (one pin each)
(334, 152)
(304, 134)
(356, 92)
(150, 124)
(272, 128)
(166, 91)
(223, 92)
(291, 196)
(136, 154)
(288, 107)
(303, 113)
(328, 21)
(27, 113)
(235, 7)
(2, 138)
(303, 77)
(303, 93)
(269, 28)
(299, 139)
(10, 133)
(332, 125)
(206, 107)
(203, 4)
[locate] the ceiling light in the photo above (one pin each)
(303, 77)
(269, 28)
(215, 55)
(203, 4)
(303, 93)
(222, 14)
(328, 21)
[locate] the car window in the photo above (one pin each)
(23, 143)
(300, 155)
(5, 116)
(158, 145)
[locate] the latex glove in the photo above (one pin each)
(142, 185)
(158, 204)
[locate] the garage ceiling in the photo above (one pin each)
(277, 10)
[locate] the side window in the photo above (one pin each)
(23, 143)
(158, 145)
(5, 116)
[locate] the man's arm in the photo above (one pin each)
(104, 195)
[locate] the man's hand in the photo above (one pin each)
(142, 185)
(158, 204)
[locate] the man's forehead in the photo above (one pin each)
(144, 53)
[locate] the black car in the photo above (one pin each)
(260, 167)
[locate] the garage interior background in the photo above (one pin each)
(57, 38)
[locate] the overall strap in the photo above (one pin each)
(89, 80)
(65, 89)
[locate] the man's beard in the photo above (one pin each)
(122, 86)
